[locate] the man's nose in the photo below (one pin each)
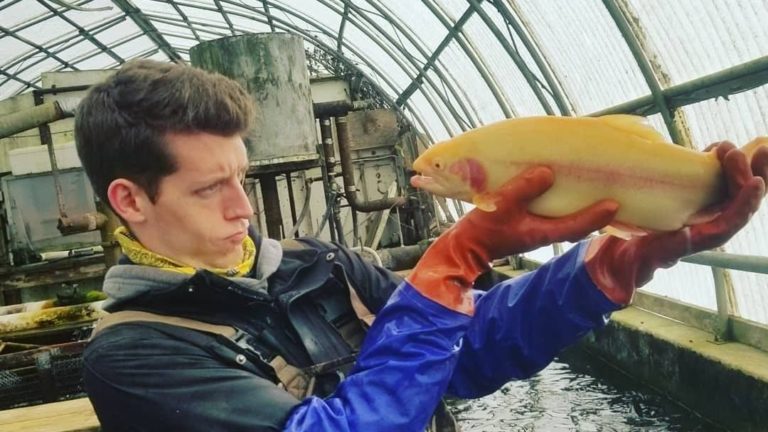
(238, 206)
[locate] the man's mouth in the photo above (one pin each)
(237, 236)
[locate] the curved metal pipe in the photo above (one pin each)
(41, 114)
(348, 174)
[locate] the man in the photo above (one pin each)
(161, 143)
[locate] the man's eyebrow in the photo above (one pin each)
(205, 181)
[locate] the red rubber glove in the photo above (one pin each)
(450, 266)
(618, 267)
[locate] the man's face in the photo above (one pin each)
(200, 214)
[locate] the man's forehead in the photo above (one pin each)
(207, 152)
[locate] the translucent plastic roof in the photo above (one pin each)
(696, 68)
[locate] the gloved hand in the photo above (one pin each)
(449, 267)
(618, 267)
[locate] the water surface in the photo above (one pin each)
(577, 394)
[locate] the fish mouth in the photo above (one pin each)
(442, 186)
(423, 182)
(430, 184)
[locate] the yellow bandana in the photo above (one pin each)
(137, 253)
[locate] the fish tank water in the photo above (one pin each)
(577, 392)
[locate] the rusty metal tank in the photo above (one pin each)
(272, 67)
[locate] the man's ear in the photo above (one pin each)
(129, 200)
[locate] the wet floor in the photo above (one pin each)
(577, 394)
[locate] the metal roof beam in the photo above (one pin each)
(8, 4)
(225, 16)
(202, 29)
(469, 49)
(416, 83)
(448, 81)
(17, 79)
(122, 41)
(95, 52)
(561, 100)
(646, 69)
(149, 29)
(30, 22)
(83, 32)
(268, 14)
(185, 19)
(66, 38)
(464, 123)
(39, 47)
(340, 34)
(533, 82)
(736, 79)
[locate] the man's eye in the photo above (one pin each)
(208, 190)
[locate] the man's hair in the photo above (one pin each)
(120, 126)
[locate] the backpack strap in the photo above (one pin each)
(119, 317)
(292, 379)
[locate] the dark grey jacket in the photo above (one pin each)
(153, 376)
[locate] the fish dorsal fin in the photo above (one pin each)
(635, 125)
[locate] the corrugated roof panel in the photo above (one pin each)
(182, 43)
(159, 7)
(751, 292)
(197, 11)
(318, 12)
(442, 101)
(11, 88)
(32, 73)
(101, 61)
(21, 12)
(246, 24)
(511, 82)
(697, 37)
(433, 123)
(455, 8)
(472, 83)
(690, 283)
(43, 33)
(11, 49)
(135, 47)
(384, 32)
(739, 118)
(586, 51)
(416, 17)
(116, 32)
(175, 37)
(377, 56)
(78, 50)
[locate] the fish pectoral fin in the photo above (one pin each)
(485, 202)
(705, 215)
(623, 231)
(636, 125)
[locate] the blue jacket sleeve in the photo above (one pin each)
(522, 323)
(403, 370)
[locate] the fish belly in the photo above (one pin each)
(658, 201)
